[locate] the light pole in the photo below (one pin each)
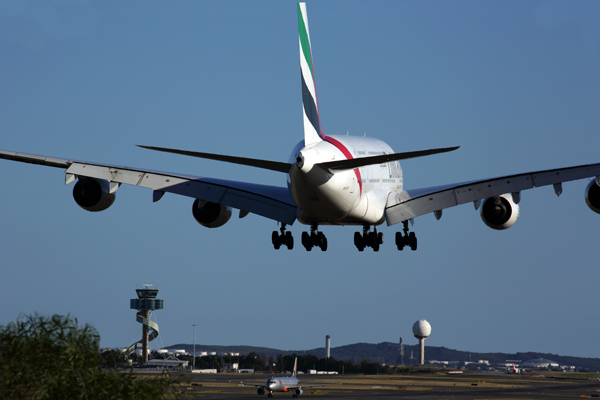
(194, 359)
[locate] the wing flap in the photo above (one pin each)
(494, 187)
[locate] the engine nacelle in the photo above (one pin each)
(93, 194)
(210, 215)
(499, 212)
(592, 196)
(298, 391)
(260, 390)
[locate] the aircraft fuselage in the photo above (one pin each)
(352, 197)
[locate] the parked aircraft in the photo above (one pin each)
(331, 180)
(281, 384)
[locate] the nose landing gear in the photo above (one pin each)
(314, 239)
(368, 239)
(283, 239)
(409, 239)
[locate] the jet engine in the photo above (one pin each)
(210, 215)
(260, 390)
(93, 194)
(298, 391)
(592, 196)
(499, 212)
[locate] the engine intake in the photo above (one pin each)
(499, 212)
(298, 391)
(592, 196)
(210, 215)
(260, 390)
(93, 194)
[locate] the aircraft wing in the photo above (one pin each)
(268, 201)
(251, 384)
(402, 206)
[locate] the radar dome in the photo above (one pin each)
(421, 329)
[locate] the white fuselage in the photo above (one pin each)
(281, 384)
(351, 197)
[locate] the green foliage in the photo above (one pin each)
(54, 358)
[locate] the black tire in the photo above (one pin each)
(324, 244)
(305, 239)
(319, 238)
(289, 241)
(375, 246)
(358, 240)
(276, 240)
(412, 239)
(399, 241)
(380, 237)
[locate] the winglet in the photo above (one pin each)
(312, 122)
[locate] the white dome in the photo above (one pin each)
(421, 329)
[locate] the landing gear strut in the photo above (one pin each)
(409, 239)
(283, 239)
(368, 239)
(315, 238)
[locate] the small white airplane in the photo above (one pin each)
(331, 180)
(282, 384)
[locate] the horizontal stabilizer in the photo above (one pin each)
(264, 164)
(342, 165)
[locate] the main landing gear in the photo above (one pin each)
(368, 239)
(283, 239)
(409, 239)
(315, 238)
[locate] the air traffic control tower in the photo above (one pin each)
(145, 304)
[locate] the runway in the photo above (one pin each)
(468, 386)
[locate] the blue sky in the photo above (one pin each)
(514, 83)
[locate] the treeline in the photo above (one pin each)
(285, 364)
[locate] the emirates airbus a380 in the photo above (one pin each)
(331, 180)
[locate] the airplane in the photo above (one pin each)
(514, 369)
(331, 180)
(281, 384)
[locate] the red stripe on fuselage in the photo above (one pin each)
(346, 154)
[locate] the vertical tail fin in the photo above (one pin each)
(312, 122)
(295, 367)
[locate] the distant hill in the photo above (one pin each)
(389, 353)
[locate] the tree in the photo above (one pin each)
(54, 358)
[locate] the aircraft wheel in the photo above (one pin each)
(324, 244)
(412, 239)
(399, 241)
(319, 239)
(306, 241)
(289, 240)
(375, 245)
(380, 237)
(305, 238)
(357, 239)
(276, 240)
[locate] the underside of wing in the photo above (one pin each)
(272, 202)
(402, 206)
